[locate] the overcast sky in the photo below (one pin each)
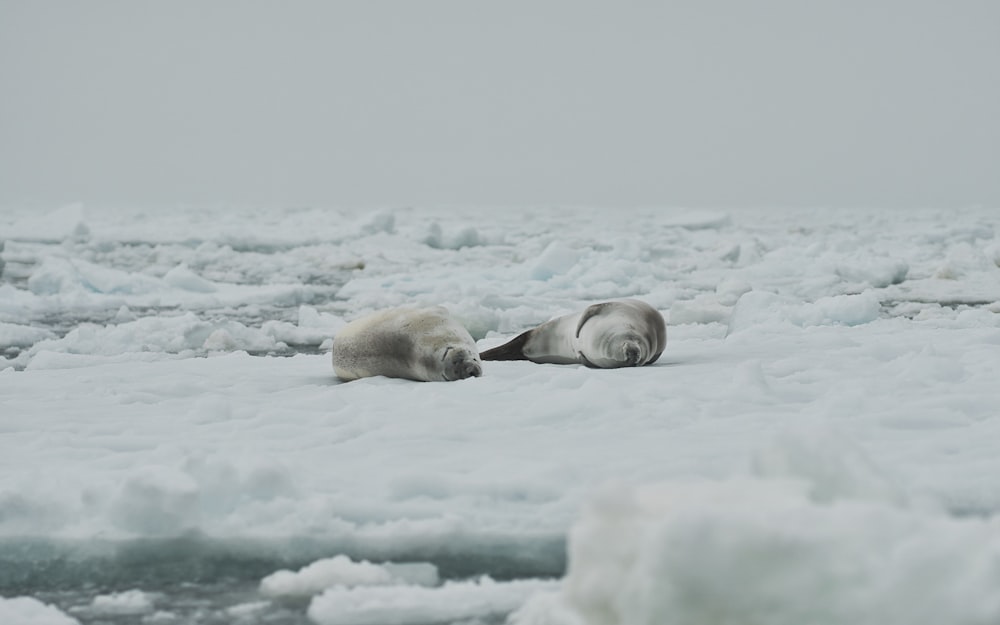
(412, 102)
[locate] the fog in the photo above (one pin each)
(717, 103)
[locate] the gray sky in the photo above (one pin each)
(369, 102)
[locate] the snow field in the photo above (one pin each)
(816, 444)
(28, 611)
(756, 552)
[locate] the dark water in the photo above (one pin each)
(199, 581)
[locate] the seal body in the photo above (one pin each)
(623, 333)
(424, 344)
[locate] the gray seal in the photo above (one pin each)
(424, 344)
(623, 333)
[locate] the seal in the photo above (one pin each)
(424, 344)
(622, 333)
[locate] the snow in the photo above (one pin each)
(756, 551)
(824, 413)
(408, 604)
(122, 603)
(342, 571)
(65, 222)
(755, 308)
(28, 611)
(17, 335)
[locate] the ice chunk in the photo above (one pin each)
(699, 310)
(382, 222)
(832, 465)
(556, 259)
(66, 222)
(129, 602)
(342, 571)
(157, 501)
(438, 239)
(697, 220)
(877, 273)
(29, 611)
(403, 605)
(61, 275)
(247, 610)
(159, 334)
(181, 277)
(730, 290)
(752, 551)
(16, 335)
(314, 327)
(757, 308)
(846, 310)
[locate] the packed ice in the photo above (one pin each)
(816, 444)
(342, 571)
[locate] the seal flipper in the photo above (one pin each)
(591, 311)
(511, 350)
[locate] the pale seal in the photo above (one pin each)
(623, 333)
(424, 344)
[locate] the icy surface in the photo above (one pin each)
(28, 611)
(129, 602)
(451, 602)
(150, 442)
(342, 571)
(754, 551)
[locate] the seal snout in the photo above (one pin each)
(472, 370)
(462, 369)
(632, 353)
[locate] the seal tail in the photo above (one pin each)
(511, 350)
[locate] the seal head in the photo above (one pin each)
(459, 363)
(627, 333)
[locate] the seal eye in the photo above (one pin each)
(444, 356)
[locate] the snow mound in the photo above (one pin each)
(342, 571)
(556, 259)
(181, 277)
(382, 222)
(699, 310)
(758, 308)
(61, 275)
(876, 273)
(830, 463)
(403, 605)
(964, 259)
(247, 611)
(438, 239)
(313, 328)
(765, 552)
(697, 220)
(66, 222)
(129, 602)
(157, 501)
(28, 611)
(17, 335)
(173, 335)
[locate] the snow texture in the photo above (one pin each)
(407, 605)
(341, 571)
(817, 442)
(756, 552)
(28, 611)
(123, 603)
